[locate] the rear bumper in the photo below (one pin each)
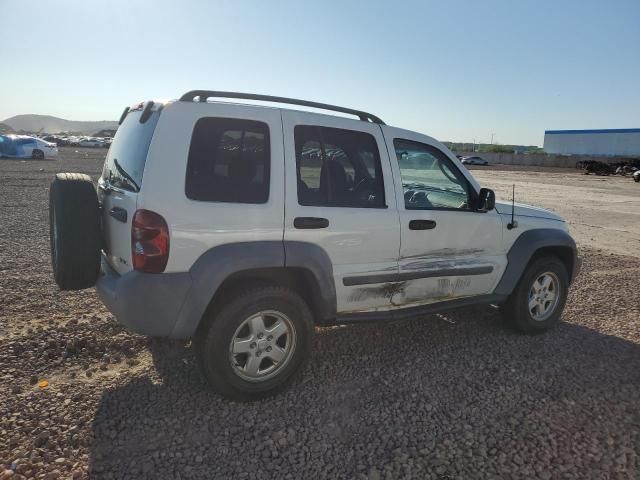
(146, 303)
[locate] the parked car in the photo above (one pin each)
(474, 161)
(23, 146)
(60, 141)
(636, 176)
(242, 227)
(73, 141)
(91, 143)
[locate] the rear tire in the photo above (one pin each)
(247, 376)
(37, 154)
(531, 309)
(74, 231)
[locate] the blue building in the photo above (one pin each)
(612, 142)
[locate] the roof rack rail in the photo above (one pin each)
(203, 95)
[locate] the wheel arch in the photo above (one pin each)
(300, 280)
(563, 253)
(533, 244)
(224, 270)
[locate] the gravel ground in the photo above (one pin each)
(445, 396)
(601, 211)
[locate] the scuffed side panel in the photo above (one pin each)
(434, 288)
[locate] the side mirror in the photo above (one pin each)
(486, 200)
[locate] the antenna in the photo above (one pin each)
(513, 224)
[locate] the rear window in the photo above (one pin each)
(228, 161)
(128, 153)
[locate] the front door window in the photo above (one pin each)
(429, 179)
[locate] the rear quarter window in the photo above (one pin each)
(229, 161)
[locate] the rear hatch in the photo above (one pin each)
(121, 181)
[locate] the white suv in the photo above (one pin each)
(242, 226)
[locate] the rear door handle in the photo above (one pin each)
(422, 224)
(310, 222)
(119, 214)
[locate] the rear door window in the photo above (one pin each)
(338, 168)
(127, 156)
(229, 161)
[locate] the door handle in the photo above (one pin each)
(422, 224)
(310, 222)
(119, 214)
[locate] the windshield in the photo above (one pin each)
(127, 155)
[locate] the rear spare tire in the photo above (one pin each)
(74, 231)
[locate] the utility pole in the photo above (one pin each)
(492, 135)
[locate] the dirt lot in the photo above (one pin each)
(603, 212)
(445, 396)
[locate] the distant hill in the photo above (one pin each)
(4, 128)
(49, 124)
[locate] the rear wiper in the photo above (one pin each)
(127, 177)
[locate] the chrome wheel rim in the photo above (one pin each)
(262, 346)
(544, 296)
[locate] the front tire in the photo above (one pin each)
(537, 302)
(37, 154)
(256, 344)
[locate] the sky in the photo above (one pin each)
(455, 70)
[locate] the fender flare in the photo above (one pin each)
(314, 259)
(218, 263)
(523, 249)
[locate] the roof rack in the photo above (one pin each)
(203, 95)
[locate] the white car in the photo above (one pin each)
(24, 146)
(91, 143)
(242, 227)
(474, 161)
(636, 176)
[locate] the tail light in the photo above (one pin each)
(149, 242)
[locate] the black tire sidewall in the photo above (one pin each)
(519, 308)
(74, 212)
(213, 346)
